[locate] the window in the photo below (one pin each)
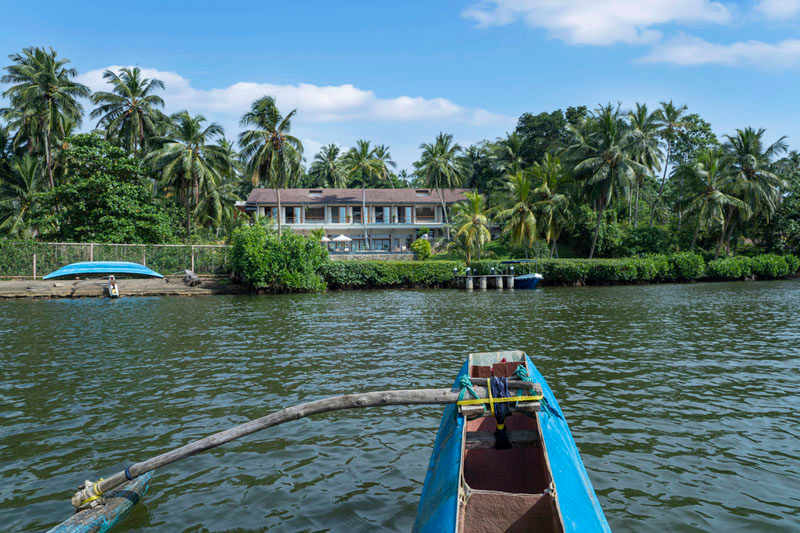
(315, 214)
(357, 215)
(404, 215)
(315, 193)
(423, 192)
(292, 215)
(338, 215)
(426, 214)
(382, 215)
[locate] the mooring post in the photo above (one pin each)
(482, 282)
(499, 281)
(511, 279)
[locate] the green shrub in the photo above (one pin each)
(646, 240)
(279, 264)
(374, 274)
(770, 266)
(793, 262)
(688, 266)
(422, 247)
(730, 268)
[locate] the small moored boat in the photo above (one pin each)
(525, 281)
(539, 483)
(99, 268)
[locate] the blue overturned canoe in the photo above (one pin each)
(539, 484)
(103, 268)
(118, 503)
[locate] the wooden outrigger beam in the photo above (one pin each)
(336, 403)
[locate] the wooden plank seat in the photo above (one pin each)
(519, 438)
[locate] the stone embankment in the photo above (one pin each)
(96, 288)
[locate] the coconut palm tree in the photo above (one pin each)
(362, 166)
(326, 169)
(441, 167)
(646, 149)
(671, 122)
(41, 94)
(509, 153)
(471, 222)
(18, 194)
(755, 181)
(188, 161)
(551, 199)
(129, 112)
(383, 155)
(709, 176)
(517, 214)
(604, 148)
(272, 155)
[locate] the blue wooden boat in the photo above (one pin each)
(99, 268)
(116, 506)
(539, 484)
(525, 281)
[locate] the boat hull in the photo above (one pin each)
(578, 507)
(103, 267)
(528, 281)
(102, 518)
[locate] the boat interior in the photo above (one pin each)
(507, 489)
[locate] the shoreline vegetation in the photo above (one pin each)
(646, 194)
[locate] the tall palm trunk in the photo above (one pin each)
(280, 211)
(48, 158)
(597, 228)
(444, 213)
(723, 231)
(636, 208)
(694, 237)
(661, 187)
(554, 249)
(364, 215)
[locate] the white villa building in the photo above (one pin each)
(389, 217)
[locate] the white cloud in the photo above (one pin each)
(315, 103)
(689, 50)
(778, 9)
(599, 22)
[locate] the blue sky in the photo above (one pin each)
(398, 73)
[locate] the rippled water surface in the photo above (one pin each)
(683, 400)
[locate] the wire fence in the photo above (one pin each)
(36, 259)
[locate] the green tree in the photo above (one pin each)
(471, 222)
(509, 154)
(19, 193)
(272, 154)
(646, 149)
(326, 169)
(129, 112)
(551, 199)
(106, 198)
(708, 176)
(604, 150)
(42, 95)
(441, 168)
(187, 161)
(517, 214)
(671, 122)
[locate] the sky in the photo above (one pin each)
(398, 73)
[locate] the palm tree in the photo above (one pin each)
(709, 176)
(273, 155)
(604, 148)
(42, 93)
(441, 168)
(508, 153)
(188, 161)
(647, 149)
(755, 181)
(670, 120)
(551, 203)
(18, 194)
(471, 222)
(128, 112)
(518, 213)
(327, 168)
(361, 165)
(382, 154)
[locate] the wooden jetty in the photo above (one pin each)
(485, 281)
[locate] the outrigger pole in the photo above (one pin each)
(91, 492)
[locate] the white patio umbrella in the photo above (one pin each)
(324, 239)
(342, 238)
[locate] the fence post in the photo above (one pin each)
(34, 265)
(193, 258)
(91, 251)
(144, 255)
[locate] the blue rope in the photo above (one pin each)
(522, 373)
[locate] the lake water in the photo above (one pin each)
(683, 400)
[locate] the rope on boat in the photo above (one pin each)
(466, 385)
(522, 373)
(89, 495)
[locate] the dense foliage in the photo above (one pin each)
(375, 274)
(277, 263)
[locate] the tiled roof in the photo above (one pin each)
(354, 196)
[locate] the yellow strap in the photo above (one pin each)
(97, 493)
(497, 400)
(489, 388)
